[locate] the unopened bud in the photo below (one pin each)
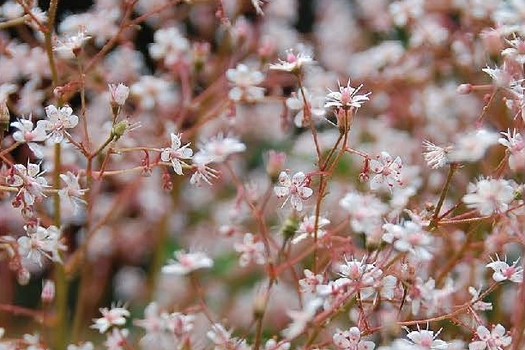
(4, 118)
(119, 129)
(259, 304)
(48, 291)
(118, 94)
(464, 89)
(275, 164)
(23, 276)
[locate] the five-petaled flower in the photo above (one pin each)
(176, 152)
(295, 189)
(59, 119)
(387, 171)
(346, 98)
(187, 262)
(116, 316)
(503, 271)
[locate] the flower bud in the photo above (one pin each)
(118, 94)
(275, 164)
(48, 291)
(464, 89)
(4, 118)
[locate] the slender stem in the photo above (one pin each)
(14, 22)
(444, 191)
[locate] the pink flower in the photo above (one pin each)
(387, 171)
(294, 189)
(176, 152)
(491, 340)
(504, 272)
(118, 94)
(426, 339)
(187, 262)
(116, 316)
(250, 251)
(59, 119)
(346, 97)
(351, 340)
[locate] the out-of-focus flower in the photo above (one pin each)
(301, 318)
(70, 46)
(218, 148)
(245, 81)
(72, 193)
(495, 339)
(425, 339)
(489, 196)
(116, 340)
(83, 346)
(351, 340)
(59, 119)
(295, 189)
(40, 241)
(314, 104)
(293, 62)
(504, 272)
(409, 237)
(477, 304)
(26, 133)
(516, 147)
(471, 147)
(347, 97)
(435, 156)
(307, 228)
(250, 251)
(48, 291)
(187, 262)
(176, 152)
(169, 45)
(114, 317)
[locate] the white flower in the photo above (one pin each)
(471, 147)
(479, 305)
(116, 316)
(116, 340)
(296, 102)
(250, 251)
(203, 171)
(245, 80)
(118, 93)
(176, 152)
(295, 189)
(489, 196)
(387, 171)
(409, 237)
(72, 193)
(218, 148)
(30, 181)
(435, 156)
(504, 272)
(351, 340)
(170, 45)
(70, 46)
(346, 97)
(293, 63)
(301, 318)
(491, 340)
(307, 228)
(59, 119)
(187, 262)
(426, 339)
(516, 147)
(40, 241)
(26, 133)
